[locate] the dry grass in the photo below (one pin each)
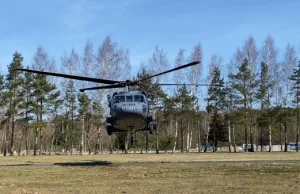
(121, 158)
(151, 178)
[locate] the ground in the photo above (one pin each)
(152, 173)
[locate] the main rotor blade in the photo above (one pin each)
(187, 85)
(174, 69)
(90, 79)
(102, 87)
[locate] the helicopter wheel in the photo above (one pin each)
(109, 129)
(150, 129)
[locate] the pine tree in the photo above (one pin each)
(14, 81)
(156, 96)
(244, 84)
(295, 77)
(186, 102)
(44, 96)
(84, 105)
(70, 107)
(27, 105)
(97, 121)
(263, 95)
(216, 104)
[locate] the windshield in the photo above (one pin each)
(138, 98)
(119, 99)
(129, 99)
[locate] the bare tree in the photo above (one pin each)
(194, 76)
(194, 73)
(158, 63)
(88, 61)
(111, 63)
(70, 65)
(251, 53)
(177, 77)
(290, 62)
(269, 57)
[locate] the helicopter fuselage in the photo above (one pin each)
(129, 111)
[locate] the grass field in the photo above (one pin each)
(150, 173)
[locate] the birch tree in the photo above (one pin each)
(112, 62)
(251, 54)
(290, 62)
(269, 58)
(177, 77)
(194, 76)
(158, 63)
(88, 61)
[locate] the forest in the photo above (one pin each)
(253, 100)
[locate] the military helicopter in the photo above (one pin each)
(129, 110)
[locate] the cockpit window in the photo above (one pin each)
(129, 99)
(119, 99)
(138, 98)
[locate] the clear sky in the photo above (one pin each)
(139, 25)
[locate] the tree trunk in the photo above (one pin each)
(12, 140)
(41, 120)
(270, 137)
(157, 142)
(207, 134)
(175, 136)
(233, 136)
(111, 144)
(191, 139)
(88, 138)
(251, 138)
(52, 140)
(5, 138)
(66, 138)
(188, 137)
(285, 138)
(182, 136)
(297, 138)
(280, 127)
(199, 135)
(72, 147)
(134, 142)
(26, 140)
(82, 137)
(126, 143)
(229, 136)
(261, 137)
(97, 146)
(35, 141)
(146, 141)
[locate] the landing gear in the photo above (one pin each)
(109, 129)
(152, 127)
(131, 138)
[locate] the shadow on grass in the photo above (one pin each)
(90, 163)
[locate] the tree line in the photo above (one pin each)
(253, 100)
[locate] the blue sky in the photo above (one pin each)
(139, 25)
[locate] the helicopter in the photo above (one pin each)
(129, 110)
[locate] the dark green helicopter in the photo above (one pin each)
(129, 110)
